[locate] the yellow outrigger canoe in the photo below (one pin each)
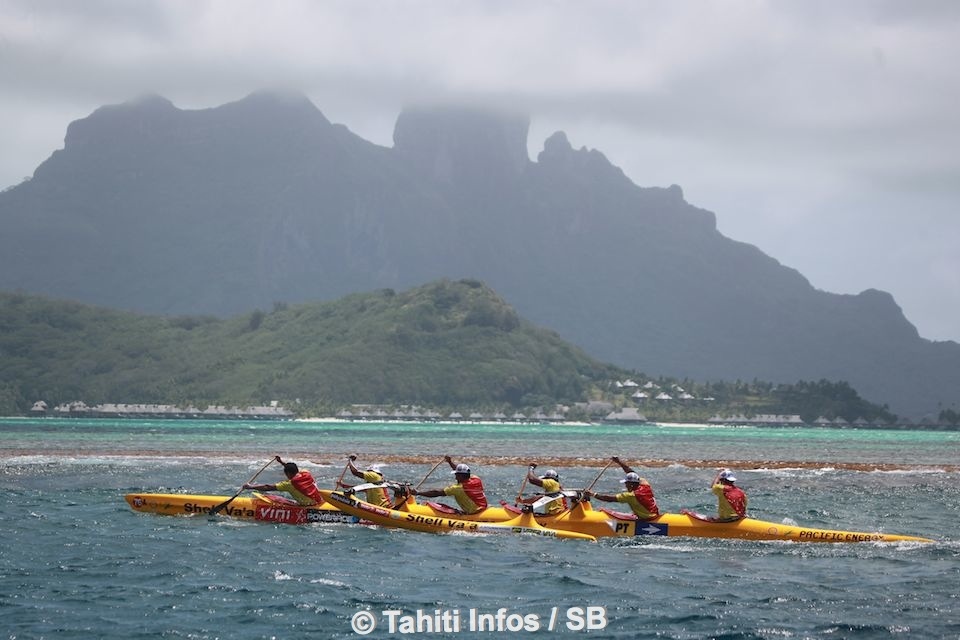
(581, 521)
(583, 518)
(265, 508)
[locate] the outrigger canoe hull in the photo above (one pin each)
(582, 521)
(693, 525)
(257, 507)
(582, 518)
(523, 523)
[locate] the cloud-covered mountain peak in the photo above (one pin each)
(139, 115)
(276, 103)
(449, 142)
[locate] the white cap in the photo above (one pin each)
(550, 473)
(375, 468)
(630, 477)
(727, 475)
(461, 468)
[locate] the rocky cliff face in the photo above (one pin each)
(223, 210)
(457, 145)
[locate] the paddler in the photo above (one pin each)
(371, 474)
(731, 500)
(467, 490)
(299, 484)
(638, 494)
(550, 482)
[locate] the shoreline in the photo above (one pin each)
(560, 424)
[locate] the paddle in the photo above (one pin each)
(524, 483)
(350, 458)
(429, 473)
(400, 496)
(223, 505)
(598, 476)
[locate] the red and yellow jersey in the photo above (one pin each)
(731, 501)
(641, 502)
(469, 495)
(302, 488)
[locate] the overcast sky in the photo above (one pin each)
(825, 133)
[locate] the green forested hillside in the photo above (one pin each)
(445, 345)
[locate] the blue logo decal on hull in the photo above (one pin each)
(651, 529)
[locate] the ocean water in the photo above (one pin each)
(78, 563)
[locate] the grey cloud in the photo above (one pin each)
(784, 117)
(97, 17)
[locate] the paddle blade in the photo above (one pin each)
(223, 505)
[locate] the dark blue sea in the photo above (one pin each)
(76, 562)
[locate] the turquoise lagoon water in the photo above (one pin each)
(78, 563)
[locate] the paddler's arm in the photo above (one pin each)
(450, 462)
(537, 496)
(603, 497)
(261, 487)
(429, 493)
(716, 480)
(356, 472)
(531, 478)
(623, 465)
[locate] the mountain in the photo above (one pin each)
(220, 211)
